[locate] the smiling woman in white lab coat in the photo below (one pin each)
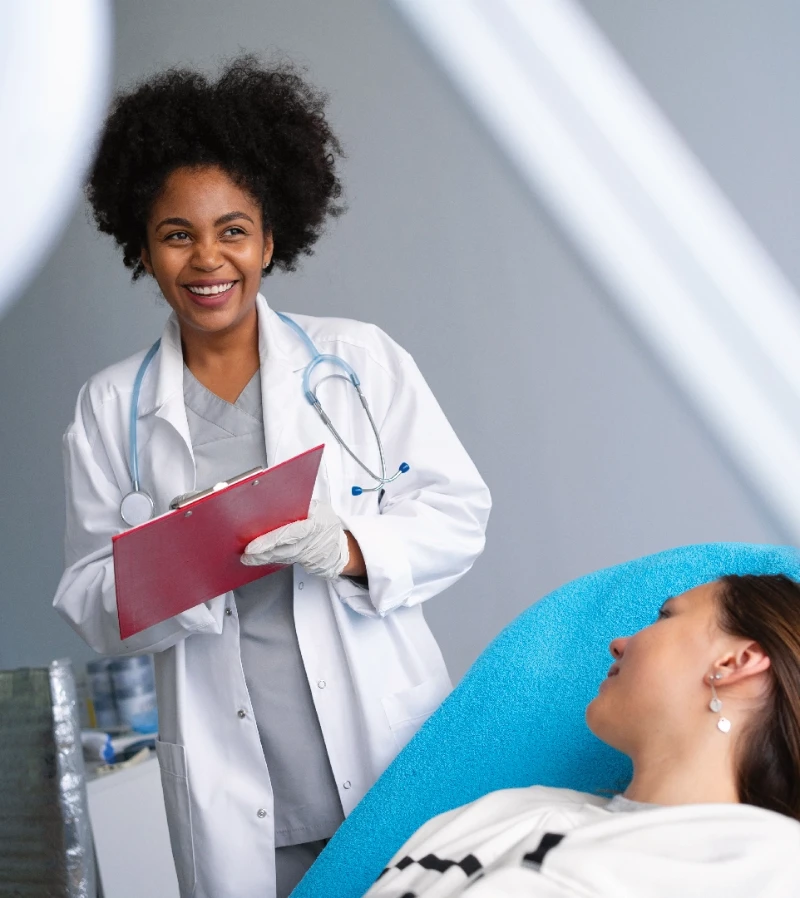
(282, 702)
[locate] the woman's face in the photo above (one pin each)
(206, 248)
(658, 684)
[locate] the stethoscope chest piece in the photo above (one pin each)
(136, 508)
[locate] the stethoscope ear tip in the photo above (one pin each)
(405, 467)
(357, 491)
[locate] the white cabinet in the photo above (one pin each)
(130, 833)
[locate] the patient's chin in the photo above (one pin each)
(600, 719)
(592, 714)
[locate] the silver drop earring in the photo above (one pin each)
(715, 705)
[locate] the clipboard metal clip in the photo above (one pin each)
(188, 498)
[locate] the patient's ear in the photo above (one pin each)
(747, 661)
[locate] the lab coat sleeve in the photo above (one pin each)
(86, 596)
(432, 521)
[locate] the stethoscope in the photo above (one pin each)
(138, 506)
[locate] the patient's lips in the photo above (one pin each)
(612, 672)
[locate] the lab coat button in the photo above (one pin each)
(228, 612)
(300, 585)
(346, 784)
(321, 683)
(242, 713)
(262, 813)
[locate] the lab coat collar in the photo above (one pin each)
(167, 399)
(291, 425)
(279, 350)
(283, 355)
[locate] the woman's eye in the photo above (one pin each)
(178, 235)
(234, 232)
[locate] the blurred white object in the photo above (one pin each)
(671, 250)
(55, 73)
(131, 840)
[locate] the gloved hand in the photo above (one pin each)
(319, 544)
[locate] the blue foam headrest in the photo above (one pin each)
(517, 717)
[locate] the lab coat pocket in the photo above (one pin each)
(408, 709)
(175, 782)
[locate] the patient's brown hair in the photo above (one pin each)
(766, 609)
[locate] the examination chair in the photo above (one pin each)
(517, 717)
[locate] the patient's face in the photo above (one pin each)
(657, 686)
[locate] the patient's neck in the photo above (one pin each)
(701, 773)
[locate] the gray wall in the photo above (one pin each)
(592, 456)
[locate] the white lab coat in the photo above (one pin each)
(373, 666)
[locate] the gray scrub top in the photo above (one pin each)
(228, 440)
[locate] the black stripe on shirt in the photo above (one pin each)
(536, 858)
(400, 865)
(469, 864)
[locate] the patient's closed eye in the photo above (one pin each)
(666, 608)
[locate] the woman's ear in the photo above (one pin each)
(145, 257)
(745, 661)
(269, 248)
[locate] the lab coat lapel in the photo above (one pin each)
(291, 425)
(175, 471)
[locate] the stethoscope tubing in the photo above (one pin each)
(133, 432)
(317, 358)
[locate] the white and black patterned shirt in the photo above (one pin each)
(556, 843)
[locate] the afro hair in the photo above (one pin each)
(264, 126)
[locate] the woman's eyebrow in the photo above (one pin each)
(183, 222)
(223, 219)
(232, 216)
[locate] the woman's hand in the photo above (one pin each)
(319, 543)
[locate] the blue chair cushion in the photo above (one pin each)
(517, 717)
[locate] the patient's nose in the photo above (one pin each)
(618, 646)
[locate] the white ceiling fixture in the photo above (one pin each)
(55, 74)
(670, 248)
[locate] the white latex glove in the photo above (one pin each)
(319, 544)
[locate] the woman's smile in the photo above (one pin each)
(207, 249)
(210, 294)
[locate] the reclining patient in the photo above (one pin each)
(706, 704)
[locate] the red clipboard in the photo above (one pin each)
(192, 554)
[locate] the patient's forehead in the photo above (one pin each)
(700, 602)
(706, 592)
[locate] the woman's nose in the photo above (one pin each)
(206, 255)
(618, 646)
